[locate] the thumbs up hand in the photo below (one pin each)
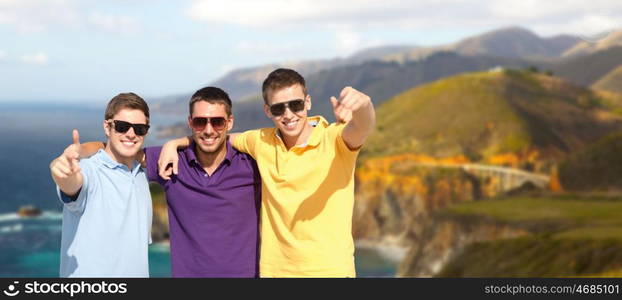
(67, 164)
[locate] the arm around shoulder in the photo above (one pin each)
(169, 158)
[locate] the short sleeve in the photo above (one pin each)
(73, 204)
(247, 142)
(152, 154)
(336, 133)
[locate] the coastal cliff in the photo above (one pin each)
(397, 203)
(159, 226)
(447, 222)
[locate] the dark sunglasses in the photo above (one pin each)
(294, 105)
(199, 123)
(123, 127)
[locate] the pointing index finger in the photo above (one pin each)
(344, 92)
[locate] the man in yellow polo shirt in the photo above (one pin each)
(307, 169)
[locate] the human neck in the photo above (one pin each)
(297, 140)
(127, 161)
(210, 161)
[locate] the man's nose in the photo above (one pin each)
(288, 112)
(130, 133)
(208, 128)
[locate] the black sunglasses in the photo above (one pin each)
(199, 123)
(123, 127)
(295, 106)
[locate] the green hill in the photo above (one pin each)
(569, 236)
(488, 113)
(611, 82)
(598, 167)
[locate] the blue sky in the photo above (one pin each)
(89, 50)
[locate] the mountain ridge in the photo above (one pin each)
(486, 114)
(244, 83)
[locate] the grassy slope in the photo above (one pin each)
(487, 113)
(598, 167)
(610, 82)
(572, 236)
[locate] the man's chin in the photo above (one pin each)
(290, 132)
(210, 149)
(127, 153)
(121, 156)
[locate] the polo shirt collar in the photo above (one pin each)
(191, 155)
(230, 152)
(318, 123)
(318, 130)
(107, 161)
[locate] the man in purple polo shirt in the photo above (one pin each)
(213, 201)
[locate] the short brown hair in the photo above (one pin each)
(126, 101)
(211, 95)
(281, 78)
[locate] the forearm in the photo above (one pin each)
(89, 149)
(169, 157)
(232, 136)
(364, 119)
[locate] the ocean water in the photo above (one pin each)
(30, 247)
(31, 135)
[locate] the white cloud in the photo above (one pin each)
(124, 25)
(2, 55)
(35, 16)
(348, 41)
(39, 58)
(263, 48)
(247, 12)
(594, 24)
(567, 16)
(28, 16)
(224, 69)
(404, 13)
(271, 12)
(531, 9)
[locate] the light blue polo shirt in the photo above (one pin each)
(107, 229)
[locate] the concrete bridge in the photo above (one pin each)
(510, 178)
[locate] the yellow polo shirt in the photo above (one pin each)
(307, 202)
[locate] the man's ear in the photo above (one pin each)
(107, 128)
(266, 110)
(230, 123)
(308, 102)
(190, 122)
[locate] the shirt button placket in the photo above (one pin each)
(205, 179)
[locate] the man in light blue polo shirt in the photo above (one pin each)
(107, 205)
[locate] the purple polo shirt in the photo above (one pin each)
(213, 219)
